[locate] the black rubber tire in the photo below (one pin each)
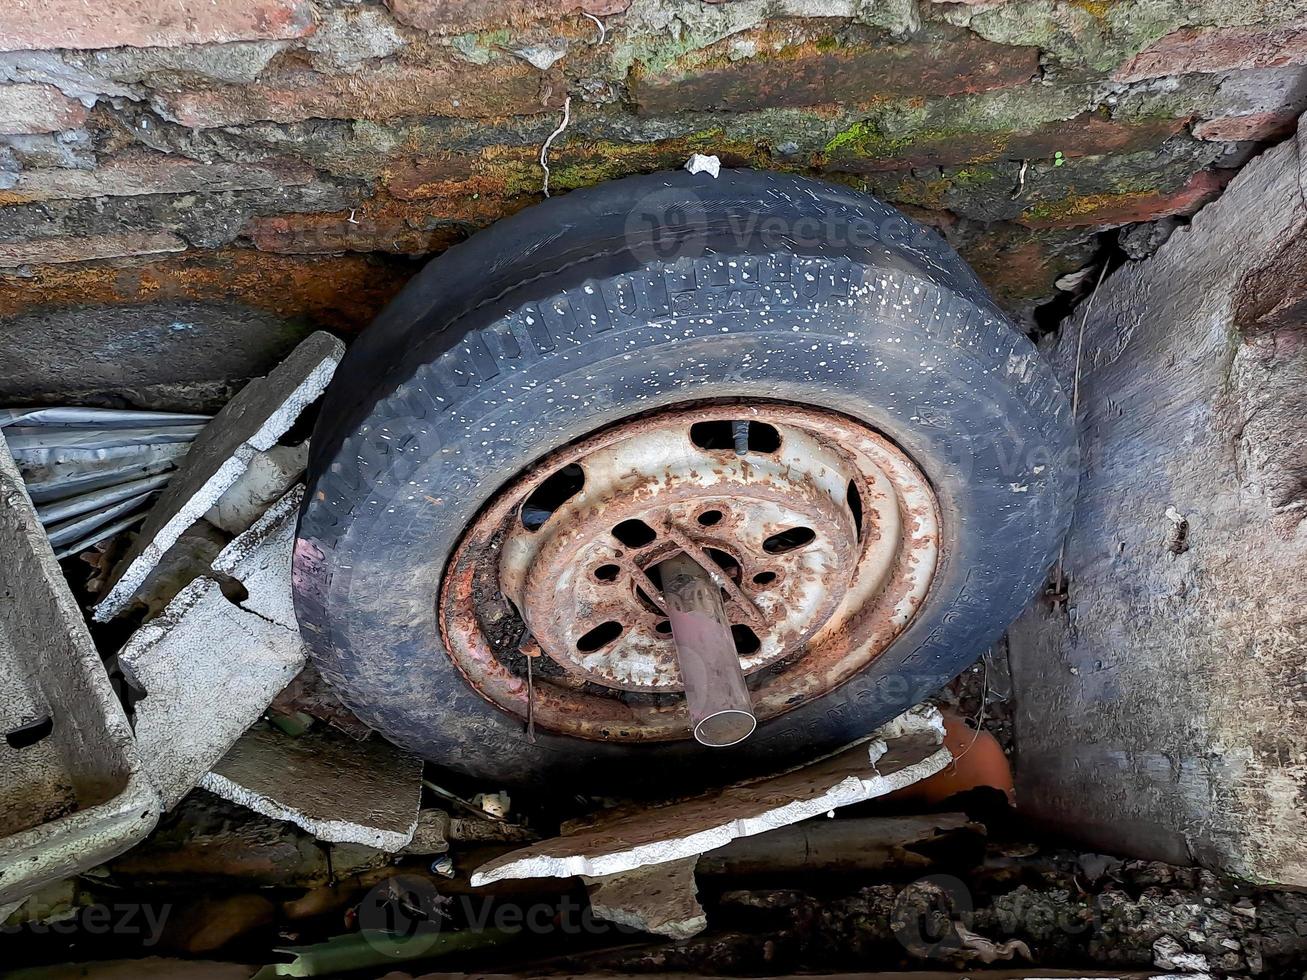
(432, 410)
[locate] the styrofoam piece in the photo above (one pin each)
(908, 749)
(253, 421)
(209, 666)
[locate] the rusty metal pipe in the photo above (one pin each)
(721, 711)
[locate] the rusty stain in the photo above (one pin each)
(341, 293)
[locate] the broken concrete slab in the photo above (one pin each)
(208, 669)
(337, 789)
(662, 899)
(1159, 708)
(252, 422)
(906, 750)
(73, 792)
(209, 666)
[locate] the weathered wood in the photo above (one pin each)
(1161, 709)
(861, 844)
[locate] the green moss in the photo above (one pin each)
(864, 141)
(1079, 205)
(480, 47)
(974, 176)
(854, 140)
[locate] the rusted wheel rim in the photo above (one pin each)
(824, 536)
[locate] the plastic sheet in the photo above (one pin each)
(93, 472)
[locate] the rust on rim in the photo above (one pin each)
(822, 535)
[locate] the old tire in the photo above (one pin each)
(621, 299)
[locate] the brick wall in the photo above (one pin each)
(295, 159)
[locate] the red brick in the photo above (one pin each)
(1217, 49)
(27, 109)
(812, 76)
(458, 16)
(1109, 210)
(411, 178)
(54, 251)
(383, 93)
(35, 25)
(1089, 134)
(1258, 126)
(133, 173)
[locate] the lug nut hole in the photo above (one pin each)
(855, 507)
(710, 517)
(635, 533)
(764, 578)
(746, 640)
(607, 573)
(788, 540)
(663, 626)
(721, 434)
(725, 562)
(555, 491)
(599, 637)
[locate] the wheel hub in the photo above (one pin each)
(822, 536)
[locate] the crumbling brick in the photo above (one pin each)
(27, 109)
(814, 75)
(459, 16)
(386, 92)
(60, 250)
(376, 227)
(1106, 210)
(35, 25)
(136, 173)
(1088, 134)
(1213, 49)
(342, 293)
(1256, 126)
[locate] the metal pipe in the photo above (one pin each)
(721, 711)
